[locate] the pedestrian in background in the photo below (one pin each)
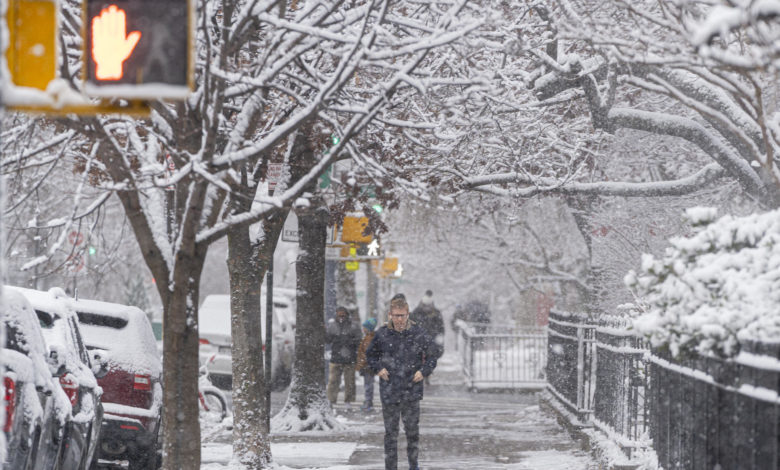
(344, 338)
(402, 354)
(362, 365)
(429, 318)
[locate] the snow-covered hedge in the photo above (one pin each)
(714, 289)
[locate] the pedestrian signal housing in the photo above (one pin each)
(138, 49)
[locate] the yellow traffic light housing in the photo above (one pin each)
(353, 229)
(32, 53)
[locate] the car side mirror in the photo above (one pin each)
(55, 362)
(99, 359)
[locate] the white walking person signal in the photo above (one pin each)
(373, 248)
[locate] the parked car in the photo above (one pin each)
(70, 358)
(36, 407)
(120, 338)
(216, 342)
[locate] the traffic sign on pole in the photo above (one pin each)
(138, 49)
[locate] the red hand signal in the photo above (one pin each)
(110, 46)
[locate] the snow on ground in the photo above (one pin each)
(459, 429)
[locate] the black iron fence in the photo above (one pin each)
(502, 356)
(698, 413)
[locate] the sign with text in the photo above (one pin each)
(138, 49)
(275, 173)
(290, 231)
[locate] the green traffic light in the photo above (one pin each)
(92, 250)
(377, 208)
(335, 139)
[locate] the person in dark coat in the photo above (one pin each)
(344, 339)
(429, 318)
(369, 327)
(402, 354)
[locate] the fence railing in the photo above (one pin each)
(502, 356)
(700, 413)
(570, 363)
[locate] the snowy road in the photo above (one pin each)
(484, 431)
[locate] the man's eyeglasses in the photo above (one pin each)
(398, 315)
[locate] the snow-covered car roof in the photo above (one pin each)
(27, 357)
(21, 321)
(57, 332)
(122, 330)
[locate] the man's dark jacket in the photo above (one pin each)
(402, 353)
(344, 339)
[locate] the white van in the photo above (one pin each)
(216, 343)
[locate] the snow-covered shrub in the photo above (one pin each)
(715, 289)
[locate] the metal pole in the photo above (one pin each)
(269, 311)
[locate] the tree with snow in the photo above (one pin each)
(714, 290)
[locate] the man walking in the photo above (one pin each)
(344, 338)
(429, 318)
(402, 354)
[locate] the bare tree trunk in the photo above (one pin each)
(307, 407)
(581, 209)
(181, 431)
(247, 264)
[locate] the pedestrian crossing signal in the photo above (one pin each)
(138, 49)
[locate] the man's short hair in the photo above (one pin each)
(342, 309)
(398, 301)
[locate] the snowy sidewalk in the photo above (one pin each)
(459, 430)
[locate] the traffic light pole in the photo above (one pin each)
(269, 311)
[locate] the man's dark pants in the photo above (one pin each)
(409, 413)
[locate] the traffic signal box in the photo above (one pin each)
(138, 49)
(133, 49)
(32, 27)
(352, 230)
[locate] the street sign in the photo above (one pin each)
(32, 55)
(290, 228)
(352, 265)
(274, 175)
(138, 49)
(75, 237)
(290, 231)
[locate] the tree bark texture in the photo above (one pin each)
(307, 407)
(181, 429)
(248, 262)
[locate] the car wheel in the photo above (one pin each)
(146, 461)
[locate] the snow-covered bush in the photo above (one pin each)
(716, 289)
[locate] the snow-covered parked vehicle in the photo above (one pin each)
(68, 355)
(36, 407)
(216, 342)
(121, 340)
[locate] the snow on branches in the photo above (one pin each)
(715, 290)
